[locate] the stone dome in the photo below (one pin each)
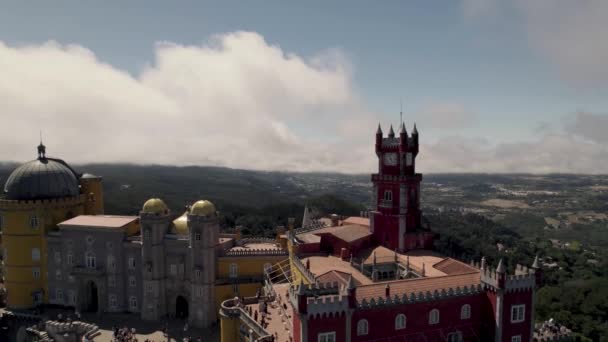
(155, 206)
(43, 178)
(202, 208)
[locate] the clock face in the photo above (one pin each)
(390, 159)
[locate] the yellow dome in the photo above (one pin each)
(202, 208)
(155, 206)
(180, 225)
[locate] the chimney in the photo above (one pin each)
(343, 253)
(334, 220)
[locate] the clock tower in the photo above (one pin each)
(396, 220)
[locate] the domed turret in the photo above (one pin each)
(203, 208)
(42, 178)
(155, 206)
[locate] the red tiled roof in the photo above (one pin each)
(400, 287)
(333, 276)
(363, 221)
(100, 221)
(352, 232)
(452, 266)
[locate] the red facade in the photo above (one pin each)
(489, 295)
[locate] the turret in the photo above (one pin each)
(403, 135)
(378, 136)
(501, 274)
(155, 220)
(391, 133)
(538, 271)
(415, 137)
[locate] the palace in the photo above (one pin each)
(369, 278)
(376, 277)
(60, 249)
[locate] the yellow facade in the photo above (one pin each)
(93, 187)
(25, 226)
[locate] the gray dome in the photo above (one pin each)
(42, 178)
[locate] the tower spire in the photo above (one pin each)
(41, 149)
(391, 133)
(401, 111)
(415, 131)
(379, 130)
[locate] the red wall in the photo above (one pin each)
(296, 327)
(386, 227)
(327, 323)
(382, 321)
(511, 329)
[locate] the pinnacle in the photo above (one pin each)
(536, 263)
(501, 267)
(379, 131)
(403, 128)
(415, 131)
(391, 133)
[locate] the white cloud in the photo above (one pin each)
(233, 101)
(576, 148)
(238, 101)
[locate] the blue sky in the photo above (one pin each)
(485, 60)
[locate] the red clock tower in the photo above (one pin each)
(396, 220)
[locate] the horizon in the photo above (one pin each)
(495, 87)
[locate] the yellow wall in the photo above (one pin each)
(224, 292)
(94, 186)
(19, 238)
(296, 275)
(248, 266)
(229, 329)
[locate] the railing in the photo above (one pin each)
(231, 308)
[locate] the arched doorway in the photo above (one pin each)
(92, 303)
(181, 307)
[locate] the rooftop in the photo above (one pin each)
(256, 246)
(277, 320)
(99, 221)
(321, 265)
(408, 286)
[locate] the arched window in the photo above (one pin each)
(234, 270)
(388, 195)
(362, 327)
(90, 260)
(133, 303)
(400, 322)
(465, 311)
(455, 337)
(147, 234)
(434, 316)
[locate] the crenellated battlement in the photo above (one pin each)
(244, 241)
(256, 252)
(43, 203)
(310, 277)
(326, 305)
(320, 298)
(394, 178)
(520, 282)
(314, 225)
(524, 278)
(411, 298)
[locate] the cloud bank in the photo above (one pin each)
(240, 102)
